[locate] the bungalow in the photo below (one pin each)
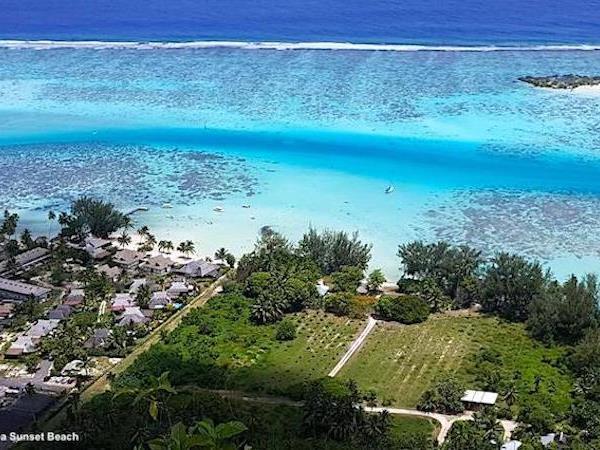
(29, 258)
(158, 264)
(122, 301)
(178, 288)
(132, 316)
(97, 248)
(128, 259)
(113, 273)
(159, 300)
(61, 312)
(511, 445)
(75, 298)
(99, 339)
(18, 291)
(41, 328)
(474, 400)
(21, 346)
(136, 285)
(200, 269)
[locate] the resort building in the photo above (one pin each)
(178, 288)
(200, 269)
(100, 338)
(128, 259)
(75, 298)
(28, 259)
(159, 300)
(112, 273)
(475, 400)
(136, 285)
(97, 248)
(61, 312)
(122, 301)
(132, 316)
(17, 291)
(21, 346)
(41, 328)
(158, 264)
(511, 445)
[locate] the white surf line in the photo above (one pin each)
(354, 347)
(275, 45)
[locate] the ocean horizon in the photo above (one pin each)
(273, 123)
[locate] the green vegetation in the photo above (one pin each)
(332, 250)
(94, 216)
(219, 346)
(484, 432)
(401, 362)
(406, 309)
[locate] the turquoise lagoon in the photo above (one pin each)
(311, 138)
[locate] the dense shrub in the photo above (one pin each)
(347, 279)
(338, 304)
(286, 331)
(404, 309)
(332, 250)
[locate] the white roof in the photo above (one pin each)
(24, 342)
(511, 445)
(96, 242)
(42, 327)
(481, 397)
(179, 286)
(322, 289)
(122, 299)
(137, 284)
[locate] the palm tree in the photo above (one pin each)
(221, 253)
(51, 218)
(150, 241)
(267, 310)
(187, 248)
(487, 421)
(169, 246)
(162, 246)
(143, 231)
(26, 239)
(126, 223)
(124, 239)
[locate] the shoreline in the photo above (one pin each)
(49, 44)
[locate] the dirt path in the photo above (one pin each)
(358, 342)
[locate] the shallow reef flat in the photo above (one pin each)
(42, 175)
(541, 225)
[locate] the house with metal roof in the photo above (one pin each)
(19, 291)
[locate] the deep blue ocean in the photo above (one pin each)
(465, 22)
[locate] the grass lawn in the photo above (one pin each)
(399, 362)
(410, 425)
(320, 342)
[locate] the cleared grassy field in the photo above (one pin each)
(399, 362)
(321, 341)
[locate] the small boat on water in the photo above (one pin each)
(167, 205)
(389, 189)
(218, 209)
(246, 206)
